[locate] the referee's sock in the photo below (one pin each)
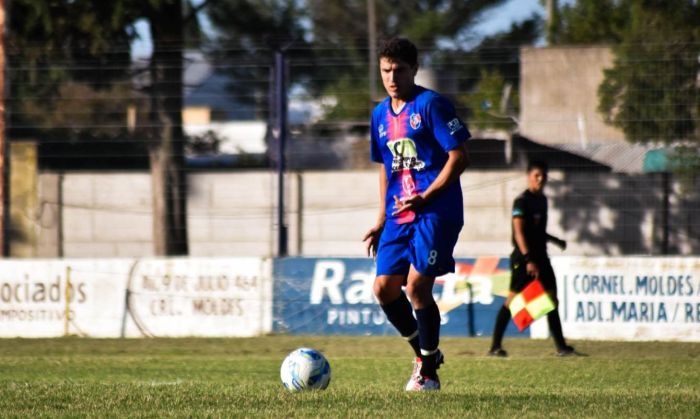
(501, 323)
(400, 314)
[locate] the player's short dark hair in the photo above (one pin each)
(396, 48)
(537, 164)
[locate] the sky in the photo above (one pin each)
(495, 21)
(514, 11)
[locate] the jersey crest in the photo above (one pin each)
(415, 120)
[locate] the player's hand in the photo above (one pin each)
(372, 239)
(532, 270)
(413, 203)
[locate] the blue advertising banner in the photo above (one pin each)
(334, 296)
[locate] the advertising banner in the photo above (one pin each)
(47, 298)
(200, 297)
(630, 298)
(335, 296)
(135, 297)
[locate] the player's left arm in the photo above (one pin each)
(457, 161)
(557, 241)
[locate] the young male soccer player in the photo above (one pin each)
(529, 258)
(420, 140)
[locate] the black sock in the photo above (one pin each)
(428, 319)
(500, 328)
(400, 314)
(555, 329)
(415, 344)
(429, 365)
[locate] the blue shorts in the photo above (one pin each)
(426, 243)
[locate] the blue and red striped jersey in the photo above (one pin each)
(413, 145)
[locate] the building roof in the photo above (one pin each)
(620, 157)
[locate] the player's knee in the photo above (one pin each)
(385, 292)
(379, 291)
(419, 291)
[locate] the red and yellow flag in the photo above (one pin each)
(530, 304)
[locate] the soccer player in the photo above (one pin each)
(529, 258)
(418, 137)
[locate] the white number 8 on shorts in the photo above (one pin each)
(432, 257)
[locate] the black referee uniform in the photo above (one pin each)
(532, 209)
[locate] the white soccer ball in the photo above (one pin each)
(305, 369)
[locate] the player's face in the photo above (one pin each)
(536, 179)
(397, 77)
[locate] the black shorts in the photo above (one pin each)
(519, 277)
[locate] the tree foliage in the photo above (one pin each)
(651, 92)
(51, 43)
(592, 22)
(327, 40)
(493, 76)
(439, 28)
(249, 32)
(64, 56)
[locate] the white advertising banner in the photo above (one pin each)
(628, 298)
(201, 297)
(136, 297)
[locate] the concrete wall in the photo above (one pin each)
(559, 95)
(234, 214)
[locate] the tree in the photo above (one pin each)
(164, 134)
(87, 42)
(592, 22)
(249, 34)
(327, 41)
(440, 29)
(651, 91)
(52, 43)
(493, 76)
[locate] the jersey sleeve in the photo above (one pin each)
(375, 153)
(447, 128)
(519, 207)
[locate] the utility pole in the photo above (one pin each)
(281, 130)
(372, 47)
(552, 21)
(4, 172)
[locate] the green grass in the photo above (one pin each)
(76, 377)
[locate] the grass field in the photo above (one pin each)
(240, 378)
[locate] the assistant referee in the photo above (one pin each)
(529, 259)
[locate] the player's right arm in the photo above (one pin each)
(372, 236)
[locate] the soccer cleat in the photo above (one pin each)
(415, 374)
(497, 352)
(567, 351)
(417, 365)
(424, 384)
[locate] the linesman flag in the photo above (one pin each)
(530, 304)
